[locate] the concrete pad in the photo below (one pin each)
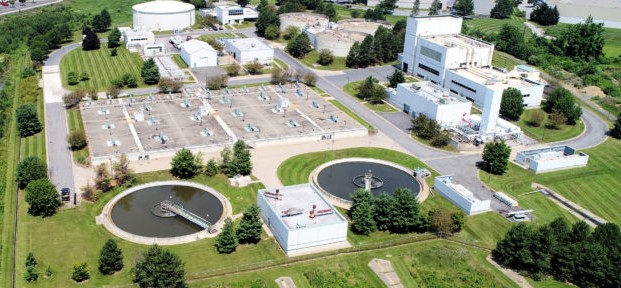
(384, 270)
(285, 282)
(53, 87)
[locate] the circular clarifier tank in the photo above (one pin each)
(340, 178)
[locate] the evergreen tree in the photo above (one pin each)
(42, 198)
(365, 90)
(382, 210)
(583, 41)
(149, 72)
(361, 212)
(159, 268)
(226, 242)
(267, 17)
(90, 41)
(31, 274)
(80, 272)
(502, 10)
(110, 258)
(242, 3)
(241, 158)
(114, 37)
(367, 54)
(436, 8)
(512, 105)
(464, 7)
(184, 164)
(496, 157)
(416, 8)
(385, 45)
(615, 132)
(514, 249)
(544, 14)
(425, 127)
(27, 120)
(405, 211)
(352, 57)
(299, 46)
(106, 19)
(249, 230)
(29, 169)
(396, 78)
(226, 167)
(211, 169)
(375, 14)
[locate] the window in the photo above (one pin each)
(233, 12)
(433, 54)
(464, 86)
(526, 95)
(470, 99)
(454, 92)
(429, 69)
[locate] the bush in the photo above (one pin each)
(159, 268)
(27, 120)
(291, 32)
(80, 272)
(272, 32)
(536, 118)
(113, 52)
(217, 82)
(325, 57)
(114, 91)
(425, 127)
(310, 79)
(441, 139)
(129, 80)
(254, 68)
(233, 69)
(77, 140)
(73, 98)
(355, 13)
(29, 169)
(557, 120)
(169, 85)
(84, 76)
(72, 78)
(185, 165)
(28, 72)
(42, 198)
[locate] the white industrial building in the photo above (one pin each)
(197, 53)
(460, 196)
(163, 15)
(151, 50)
(432, 100)
(235, 14)
(138, 37)
(248, 50)
(300, 217)
(551, 159)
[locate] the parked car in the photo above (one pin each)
(65, 194)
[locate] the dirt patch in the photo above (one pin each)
(594, 91)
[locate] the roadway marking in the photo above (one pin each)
(132, 129)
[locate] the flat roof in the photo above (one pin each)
(433, 92)
(457, 40)
(302, 197)
(136, 32)
(247, 44)
(491, 76)
(163, 7)
(458, 188)
(194, 45)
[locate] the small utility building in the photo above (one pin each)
(248, 50)
(552, 159)
(460, 196)
(197, 53)
(300, 217)
(235, 14)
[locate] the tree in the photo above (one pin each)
(441, 221)
(103, 180)
(267, 17)
(395, 78)
(496, 157)
(211, 169)
(226, 242)
(250, 227)
(502, 10)
(511, 40)
(114, 37)
(242, 3)
(374, 14)
(272, 32)
(459, 220)
(27, 120)
(107, 20)
(217, 82)
(464, 7)
(583, 40)
(381, 211)
(556, 121)
(441, 139)
(615, 132)
(31, 274)
(77, 140)
(254, 68)
(149, 72)
(514, 250)
(90, 41)
(299, 46)
(435, 8)
(185, 165)
(352, 57)
(310, 79)
(425, 127)
(80, 272)
(110, 258)
(159, 268)
(38, 49)
(291, 32)
(241, 162)
(29, 169)
(545, 14)
(405, 211)
(416, 8)
(562, 101)
(367, 55)
(122, 173)
(166, 85)
(328, 10)
(512, 105)
(365, 89)
(386, 44)
(42, 198)
(361, 212)
(325, 57)
(388, 4)
(233, 69)
(114, 52)
(225, 160)
(536, 118)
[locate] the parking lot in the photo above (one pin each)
(198, 118)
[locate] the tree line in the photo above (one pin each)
(574, 254)
(382, 47)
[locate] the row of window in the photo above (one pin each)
(429, 69)
(464, 86)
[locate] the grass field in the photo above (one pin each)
(74, 119)
(351, 88)
(504, 60)
(311, 58)
(100, 66)
(353, 115)
(120, 10)
(435, 263)
(491, 25)
(543, 134)
(612, 38)
(179, 61)
(594, 187)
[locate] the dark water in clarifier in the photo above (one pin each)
(132, 213)
(337, 179)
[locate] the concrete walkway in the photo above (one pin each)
(514, 276)
(384, 270)
(285, 282)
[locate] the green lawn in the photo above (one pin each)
(120, 10)
(311, 58)
(594, 187)
(179, 61)
(544, 134)
(345, 13)
(351, 114)
(612, 38)
(491, 25)
(351, 88)
(504, 60)
(74, 119)
(280, 63)
(435, 263)
(100, 66)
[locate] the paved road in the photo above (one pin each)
(58, 153)
(26, 6)
(594, 134)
